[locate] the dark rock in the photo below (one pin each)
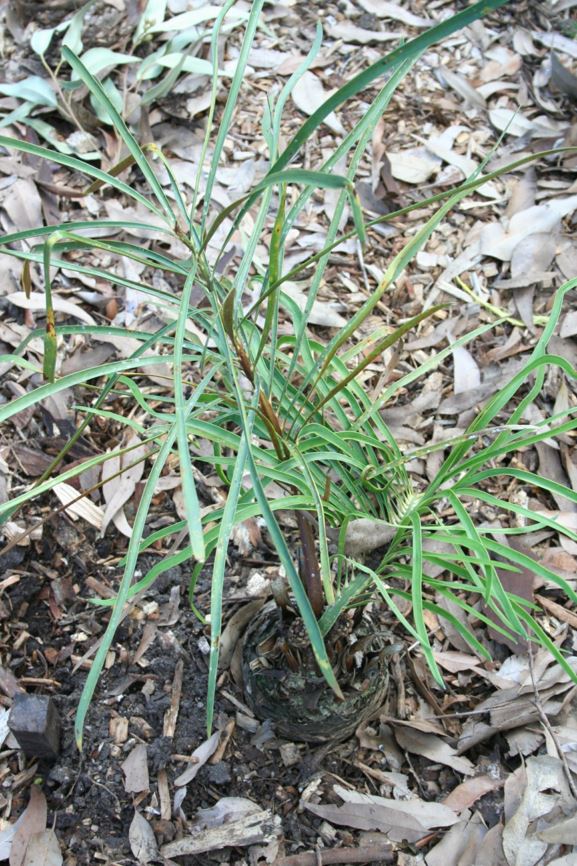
(35, 723)
(219, 774)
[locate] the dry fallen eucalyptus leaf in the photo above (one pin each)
(23, 205)
(432, 747)
(323, 313)
(84, 507)
(37, 302)
(142, 841)
(33, 821)
(364, 535)
(118, 490)
(135, 769)
(309, 94)
(468, 792)
(414, 165)
(201, 756)
(407, 820)
(460, 844)
(387, 9)
(500, 239)
(351, 33)
(546, 791)
(43, 849)
(466, 372)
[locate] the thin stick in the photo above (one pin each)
(322, 857)
(547, 725)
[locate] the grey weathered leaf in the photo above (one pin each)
(499, 240)
(532, 256)
(309, 94)
(323, 313)
(43, 849)
(522, 194)
(517, 124)
(349, 32)
(546, 789)
(432, 747)
(387, 9)
(33, 821)
(466, 373)
(554, 39)
(364, 535)
(23, 205)
(562, 833)
(400, 820)
(142, 839)
(563, 78)
(37, 302)
(460, 85)
(414, 165)
(118, 490)
(460, 844)
(135, 769)
(201, 754)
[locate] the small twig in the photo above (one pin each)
(322, 857)
(548, 727)
(171, 714)
(66, 103)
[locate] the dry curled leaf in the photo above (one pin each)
(75, 507)
(37, 302)
(351, 33)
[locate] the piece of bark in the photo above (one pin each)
(253, 829)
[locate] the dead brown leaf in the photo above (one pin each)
(468, 792)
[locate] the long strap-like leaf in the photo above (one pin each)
(361, 81)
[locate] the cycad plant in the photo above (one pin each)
(287, 412)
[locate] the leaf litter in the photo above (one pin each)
(509, 248)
